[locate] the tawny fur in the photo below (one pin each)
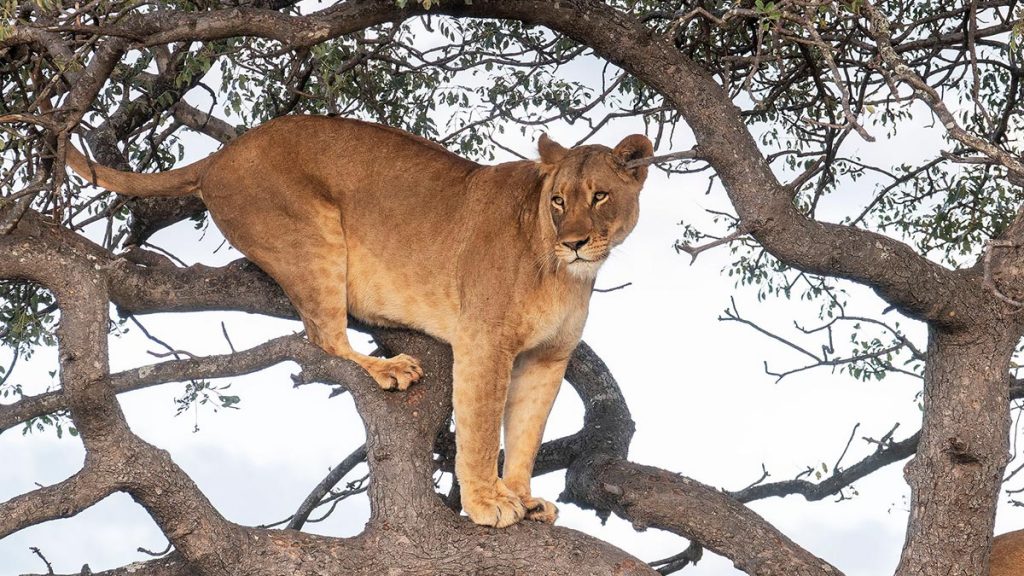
(499, 261)
(1008, 554)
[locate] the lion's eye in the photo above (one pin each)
(599, 196)
(558, 201)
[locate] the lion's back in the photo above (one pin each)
(1008, 554)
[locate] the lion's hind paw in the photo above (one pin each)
(540, 510)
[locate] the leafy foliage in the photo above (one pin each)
(806, 81)
(28, 317)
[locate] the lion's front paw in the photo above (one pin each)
(398, 372)
(497, 506)
(540, 510)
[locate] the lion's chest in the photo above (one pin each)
(552, 319)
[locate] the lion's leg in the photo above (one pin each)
(535, 384)
(311, 266)
(326, 325)
(481, 377)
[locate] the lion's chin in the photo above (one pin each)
(584, 269)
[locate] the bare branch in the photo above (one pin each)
(692, 154)
(881, 32)
(887, 453)
(317, 494)
(695, 251)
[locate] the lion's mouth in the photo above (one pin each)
(588, 261)
(584, 258)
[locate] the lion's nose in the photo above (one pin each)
(576, 244)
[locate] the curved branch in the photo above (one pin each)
(320, 490)
(919, 287)
(35, 253)
(601, 478)
(62, 500)
(652, 497)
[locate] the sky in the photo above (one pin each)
(716, 416)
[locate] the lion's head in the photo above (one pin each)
(592, 197)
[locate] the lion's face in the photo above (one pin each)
(592, 198)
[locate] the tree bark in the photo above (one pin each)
(958, 470)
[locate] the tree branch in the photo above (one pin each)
(314, 498)
(62, 500)
(919, 287)
(886, 454)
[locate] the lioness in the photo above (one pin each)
(499, 261)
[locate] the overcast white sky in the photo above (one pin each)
(715, 416)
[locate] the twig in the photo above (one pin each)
(733, 314)
(614, 288)
(170, 350)
(224, 330)
(691, 154)
(151, 553)
(49, 567)
(835, 467)
(333, 477)
(10, 368)
(887, 453)
(695, 251)
(168, 254)
(764, 476)
(885, 440)
(693, 553)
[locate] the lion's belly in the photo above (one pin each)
(399, 294)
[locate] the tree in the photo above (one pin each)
(775, 94)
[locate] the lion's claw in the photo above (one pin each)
(399, 372)
(498, 507)
(540, 510)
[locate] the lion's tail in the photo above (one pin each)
(177, 182)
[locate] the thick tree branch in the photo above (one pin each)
(407, 423)
(62, 500)
(651, 497)
(917, 286)
(219, 366)
(176, 504)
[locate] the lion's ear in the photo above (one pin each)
(632, 148)
(551, 152)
